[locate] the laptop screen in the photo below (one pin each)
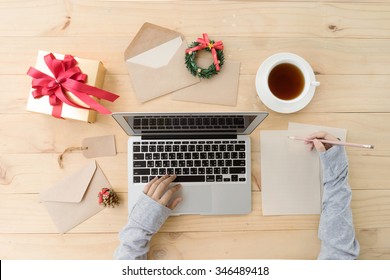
(189, 123)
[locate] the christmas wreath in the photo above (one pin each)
(216, 49)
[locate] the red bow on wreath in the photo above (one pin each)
(67, 77)
(205, 43)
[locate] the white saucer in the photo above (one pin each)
(273, 103)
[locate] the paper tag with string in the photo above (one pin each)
(92, 147)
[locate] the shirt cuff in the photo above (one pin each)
(334, 162)
(150, 214)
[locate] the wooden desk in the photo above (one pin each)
(346, 42)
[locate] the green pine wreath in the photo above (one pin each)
(195, 70)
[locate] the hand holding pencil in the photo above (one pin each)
(323, 141)
(315, 142)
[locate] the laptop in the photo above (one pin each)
(209, 152)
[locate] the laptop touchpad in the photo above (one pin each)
(196, 200)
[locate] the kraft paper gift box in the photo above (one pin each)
(95, 72)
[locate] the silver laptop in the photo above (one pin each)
(209, 152)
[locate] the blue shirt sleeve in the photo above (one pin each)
(336, 230)
(144, 221)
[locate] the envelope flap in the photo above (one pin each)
(72, 188)
(159, 56)
(148, 37)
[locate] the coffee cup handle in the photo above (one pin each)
(315, 83)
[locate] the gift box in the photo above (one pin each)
(67, 87)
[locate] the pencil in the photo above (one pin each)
(366, 146)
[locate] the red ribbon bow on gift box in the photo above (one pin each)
(205, 43)
(67, 77)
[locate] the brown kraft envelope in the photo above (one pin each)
(155, 62)
(75, 199)
(220, 89)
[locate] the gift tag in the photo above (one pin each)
(100, 146)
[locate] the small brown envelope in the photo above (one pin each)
(155, 62)
(75, 199)
(221, 89)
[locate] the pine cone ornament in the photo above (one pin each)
(108, 197)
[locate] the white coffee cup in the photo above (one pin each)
(285, 82)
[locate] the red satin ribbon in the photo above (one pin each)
(205, 43)
(67, 77)
(103, 192)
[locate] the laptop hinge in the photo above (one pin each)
(188, 136)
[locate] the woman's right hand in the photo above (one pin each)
(313, 141)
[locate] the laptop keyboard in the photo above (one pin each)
(192, 123)
(192, 161)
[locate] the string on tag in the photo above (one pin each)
(60, 158)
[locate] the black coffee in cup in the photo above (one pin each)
(286, 81)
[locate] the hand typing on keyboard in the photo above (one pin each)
(158, 189)
(218, 161)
